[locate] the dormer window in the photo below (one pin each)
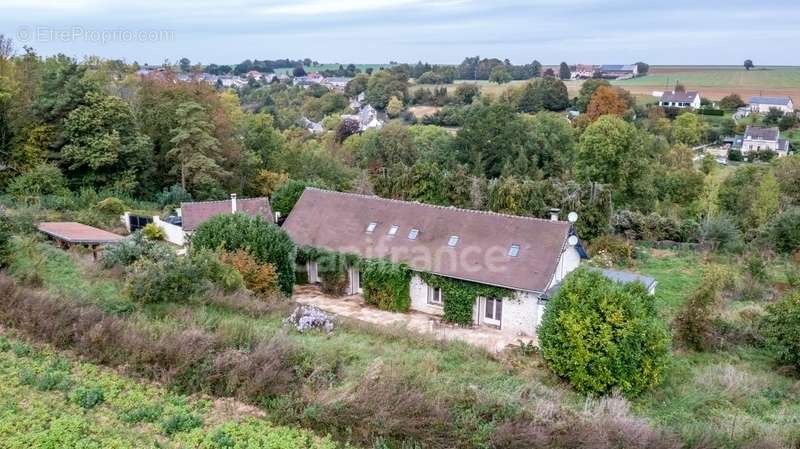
(371, 227)
(413, 233)
(453, 241)
(513, 251)
(393, 230)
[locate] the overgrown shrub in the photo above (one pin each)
(386, 284)
(694, 324)
(153, 232)
(781, 329)
(617, 249)
(180, 422)
(134, 248)
(188, 360)
(265, 241)
(173, 196)
(5, 239)
(653, 227)
(88, 398)
(43, 179)
(259, 278)
(783, 230)
(333, 281)
(720, 231)
(176, 279)
(111, 206)
(602, 335)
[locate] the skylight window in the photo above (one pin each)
(412, 234)
(393, 230)
(513, 251)
(453, 241)
(371, 227)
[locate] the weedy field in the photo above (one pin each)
(356, 382)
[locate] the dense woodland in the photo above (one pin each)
(68, 125)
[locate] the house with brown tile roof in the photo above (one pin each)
(525, 255)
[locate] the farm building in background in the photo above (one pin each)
(764, 104)
(618, 71)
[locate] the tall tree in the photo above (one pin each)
(606, 100)
(546, 93)
(103, 145)
(748, 64)
(195, 149)
(564, 72)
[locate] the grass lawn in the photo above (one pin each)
(726, 397)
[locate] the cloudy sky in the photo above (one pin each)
(441, 31)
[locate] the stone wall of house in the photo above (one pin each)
(519, 314)
(419, 297)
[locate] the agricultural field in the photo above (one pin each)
(714, 82)
(724, 398)
(334, 66)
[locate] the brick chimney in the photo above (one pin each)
(554, 214)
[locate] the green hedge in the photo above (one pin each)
(708, 111)
(386, 284)
(265, 241)
(460, 296)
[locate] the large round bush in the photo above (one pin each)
(784, 230)
(601, 335)
(265, 241)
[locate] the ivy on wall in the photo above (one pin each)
(386, 284)
(460, 296)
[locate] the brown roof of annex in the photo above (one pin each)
(193, 214)
(503, 250)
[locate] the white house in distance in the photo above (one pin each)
(528, 256)
(678, 99)
(764, 104)
(757, 138)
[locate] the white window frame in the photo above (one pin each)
(493, 306)
(355, 281)
(371, 227)
(435, 297)
(393, 230)
(513, 250)
(413, 234)
(453, 241)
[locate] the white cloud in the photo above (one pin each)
(320, 7)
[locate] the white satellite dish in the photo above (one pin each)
(572, 217)
(572, 240)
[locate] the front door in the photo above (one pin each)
(355, 281)
(492, 311)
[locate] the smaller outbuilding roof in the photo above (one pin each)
(623, 277)
(777, 101)
(78, 233)
(193, 214)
